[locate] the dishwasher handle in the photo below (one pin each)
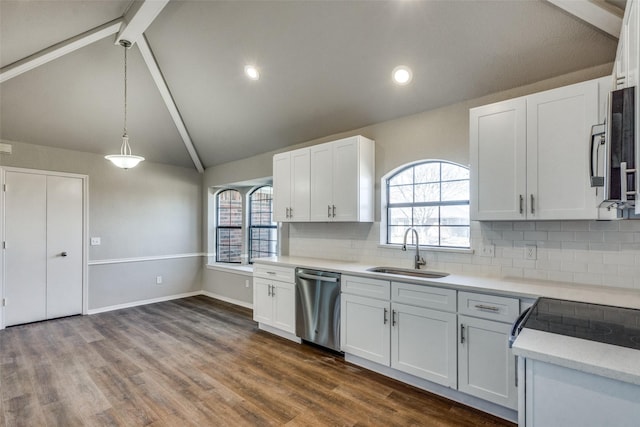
(316, 277)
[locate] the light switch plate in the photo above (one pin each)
(531, 252)
(95, 241)
(5, 148)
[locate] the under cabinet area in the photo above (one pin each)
(530, 158)
(274, 299)
(328, 182)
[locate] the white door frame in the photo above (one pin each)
(85, 232)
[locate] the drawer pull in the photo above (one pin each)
(271, 272)
(385, 316)
(487, 308)
(393, 318)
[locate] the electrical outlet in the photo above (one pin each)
(95, 241)
(246, 283)
(158, 280)
(531, 252)
(488, 250)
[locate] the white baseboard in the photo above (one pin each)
(169, 298)
(142, 302)
(227, 299)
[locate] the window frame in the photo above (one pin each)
(219, 227)
(251, 226)
(387, 205)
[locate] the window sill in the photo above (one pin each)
(429, 248)
(242, 269)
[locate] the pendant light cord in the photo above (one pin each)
(125, 44)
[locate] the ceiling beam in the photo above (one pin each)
(138, 18)
(156, 74)
(60, 49)
(596, 13)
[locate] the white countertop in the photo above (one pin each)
(607, 360)
(521, 288)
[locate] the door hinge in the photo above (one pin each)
(4, 302)
(4, 245)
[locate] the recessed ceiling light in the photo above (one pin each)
(402, 75)
(252, 72)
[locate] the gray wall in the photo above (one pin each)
(437, 134)
(151, 210)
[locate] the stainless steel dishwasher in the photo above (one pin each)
(318, 307)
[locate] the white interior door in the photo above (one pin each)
(64, 246)
(25, 253)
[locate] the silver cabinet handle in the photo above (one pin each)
(487, 307)
(290, 212)
(334, 211)
(273, 290)
(63, 254)
(533, 209)
(393, 318)
(268, 290)
(385, 320)
(516, 370)
(286, 212)
(461, 333)
(271, 272)
(521, 204)
(328, 211)
(316, 277)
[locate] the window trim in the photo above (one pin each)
(250, 226)
(227, 227)
(385, 205)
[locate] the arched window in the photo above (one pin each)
(263, 231)
(432, 197)
(229, 226)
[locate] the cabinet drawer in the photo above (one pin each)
(491, 307)
(373, 288)
(284, 274)
(424, 296)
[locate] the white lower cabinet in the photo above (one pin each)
(274, 304)
(364, 328)
(413, 339)
(486, 365)
(423, 343)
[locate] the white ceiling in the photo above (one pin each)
(325, 68)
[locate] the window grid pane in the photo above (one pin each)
(229, 226)
(435, 203)
(263, 233)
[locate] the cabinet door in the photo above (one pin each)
(558, 131)
(300, 194)
(364, 328)
(321, 183)
(262, 301)
(486, 365)
(423, 343)
(281, 186)
(284, 308)
(497, 139)
(632, 43)
(346, 178)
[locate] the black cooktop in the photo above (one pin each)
(594, 322)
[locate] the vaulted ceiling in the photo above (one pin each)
(325, 68)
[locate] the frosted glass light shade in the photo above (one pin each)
(124, 161)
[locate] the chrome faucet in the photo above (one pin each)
(418, 260)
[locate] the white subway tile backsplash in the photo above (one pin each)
(589, 252)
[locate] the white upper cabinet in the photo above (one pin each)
(291, 186)
(530, 156)
(325, 183)
(342, 180)
(627, 63)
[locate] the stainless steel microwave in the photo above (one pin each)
(619, 160)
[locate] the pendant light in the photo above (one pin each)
(125, 160)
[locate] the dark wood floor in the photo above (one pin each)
(196, 361)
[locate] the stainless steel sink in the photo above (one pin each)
(409, 272)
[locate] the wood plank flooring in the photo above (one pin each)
(201, 362)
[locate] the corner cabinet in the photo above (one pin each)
(291, 186)
(326, 182)
(342, 180)
(274, 300)
(530, 156)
